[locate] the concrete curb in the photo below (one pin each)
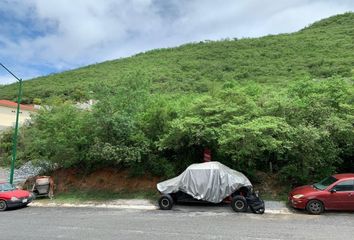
(94, 205)
(276, 207)
(141, 204)
(280, 211)
(272, 207)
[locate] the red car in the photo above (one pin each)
(332, 193)
(11, 197)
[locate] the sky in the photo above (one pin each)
(41, 37)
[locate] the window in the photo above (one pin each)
(325, 183)
(345, 186)
(6, 187)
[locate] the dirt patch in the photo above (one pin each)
(269, 187)
(103, 179)
(114, 180)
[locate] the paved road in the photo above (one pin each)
(184, 222)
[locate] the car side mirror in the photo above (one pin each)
(333, 190)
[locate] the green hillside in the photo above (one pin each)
(281, 105)
(321, 50)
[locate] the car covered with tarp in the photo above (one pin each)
(210, 182)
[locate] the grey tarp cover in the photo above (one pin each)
(210, 181)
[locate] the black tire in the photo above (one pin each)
(165, 202)
(315, 207)
(239, 204)
(3, 205)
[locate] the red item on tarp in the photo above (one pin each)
(207, 155)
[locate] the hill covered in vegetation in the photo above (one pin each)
(322, 50)
(280, 104)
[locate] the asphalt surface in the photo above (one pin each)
(183, 222)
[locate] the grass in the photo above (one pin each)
(102, 196)
(85, 196)
(282, 196)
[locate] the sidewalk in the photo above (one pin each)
(277, 207)
(272, 207)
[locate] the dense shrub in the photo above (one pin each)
(281, 104)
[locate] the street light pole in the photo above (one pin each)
(14, 141)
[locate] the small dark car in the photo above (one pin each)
(332, 193)
(210, 182)
(10, 197)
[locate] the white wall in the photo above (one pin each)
(8, 117)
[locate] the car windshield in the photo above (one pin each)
(325, 183)
(4, 187)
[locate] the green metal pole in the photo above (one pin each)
(14, 143)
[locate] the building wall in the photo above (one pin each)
(8, 117)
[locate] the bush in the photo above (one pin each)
(304, 130)
(160, 167)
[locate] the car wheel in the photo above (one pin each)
(239, 204)
(3, 205)
(165, 202)
(315, 207)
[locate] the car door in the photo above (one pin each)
(342, 196)
(351, 198)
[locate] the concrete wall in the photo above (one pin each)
(8, 117)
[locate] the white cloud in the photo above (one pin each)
(65, 34)
(6, 79)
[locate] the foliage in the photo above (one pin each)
(60, 134)
(5, 147)
(318, 51)
(281, 104)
